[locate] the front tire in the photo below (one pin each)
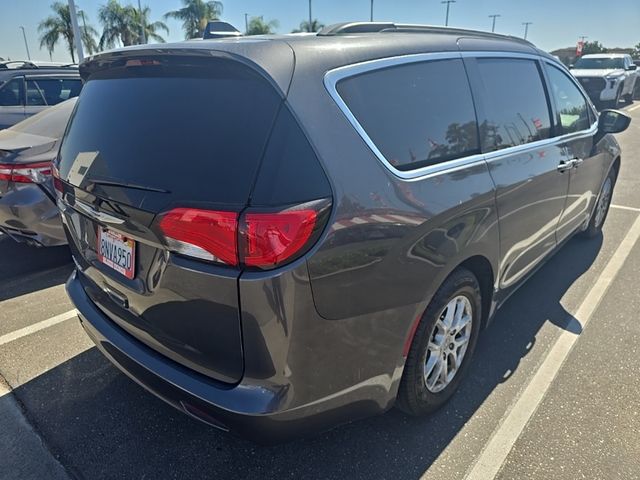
(442, 346)
(601, 209)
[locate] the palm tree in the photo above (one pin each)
(88, 34)
(195, 14)
(305, 26)
(151, 29)
(58, 25)
(118, 24)
(257, 26)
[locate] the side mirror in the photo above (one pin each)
(613, 121)
(632, 67)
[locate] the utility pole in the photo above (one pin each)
(583, 38)
(76, 30)
(493, 25)
(246, 22)
(371, 18)
(143, 35)
(26, 45)
(448, 2)
(310, 19)
(526, 28)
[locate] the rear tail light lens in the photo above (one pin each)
(57, 183)
(26, 172)
(255, 239)
(272, 238)
(204, 234)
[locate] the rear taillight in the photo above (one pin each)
(37, 172)
(255, 239)
(57, 183)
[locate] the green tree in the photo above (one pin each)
(118, 25)
(636, 51)
(305, 26)
(58, 26)
(593, 47)
(257, 26)
(195, 14)
(151, 29)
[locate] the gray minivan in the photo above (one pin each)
(279, 234)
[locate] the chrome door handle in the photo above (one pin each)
(565, 165)
(577, 162)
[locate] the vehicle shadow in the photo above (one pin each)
(25, 269)
(102, 425)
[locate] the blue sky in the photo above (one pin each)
(556, 23)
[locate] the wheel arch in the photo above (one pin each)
(482, 269)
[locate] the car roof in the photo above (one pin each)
(334, 46)
(605, 55)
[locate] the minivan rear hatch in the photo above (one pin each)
(157, 133)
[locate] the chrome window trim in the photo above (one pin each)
(332, 77)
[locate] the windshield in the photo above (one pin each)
(48, 123)
(600, 63)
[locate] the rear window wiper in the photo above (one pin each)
(120, 183)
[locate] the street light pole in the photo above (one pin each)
(526, 28)
(371, 18)
(76, 30)
(448, 2)
(26, 45)
(246, 22)
(310, 18)
(493, 25)
(143, 35)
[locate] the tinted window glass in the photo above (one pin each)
(599, 63)
(197, 133)
(514, 102)
(11, 93)
(51, 122)
(51, 91)
(417, 114)
(570, 104)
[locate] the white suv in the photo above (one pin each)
(607, 77)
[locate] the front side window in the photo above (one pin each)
(11, 93)
(515, 103)
(570, 103)
(416, 114)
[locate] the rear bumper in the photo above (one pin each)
(252, 409)
(27, 214)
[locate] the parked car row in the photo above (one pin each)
(276, 250)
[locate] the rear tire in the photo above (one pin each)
(601, 209)
(421, 390)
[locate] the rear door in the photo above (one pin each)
(12, 102)
(516, 135)
(148, 136)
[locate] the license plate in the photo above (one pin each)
(117, 251)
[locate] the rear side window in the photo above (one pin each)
(417, 114)
(51, 91)
(514, 101)
(570, 104)
(12, 93)
(197, 132)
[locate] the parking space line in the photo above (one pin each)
(624, 207)
(50, 322)
(633, 108)
(493, 456)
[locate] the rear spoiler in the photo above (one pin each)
(217, 29)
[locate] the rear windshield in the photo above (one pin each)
(196, 132)
(48, 123)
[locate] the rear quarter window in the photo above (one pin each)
(417, 114)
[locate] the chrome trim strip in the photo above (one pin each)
(332, 77)
(96, 215)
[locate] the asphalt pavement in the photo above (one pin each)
(553, 391)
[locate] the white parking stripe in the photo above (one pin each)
(633, 108)
(23, 332)
(624, 207)
(491, 459)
